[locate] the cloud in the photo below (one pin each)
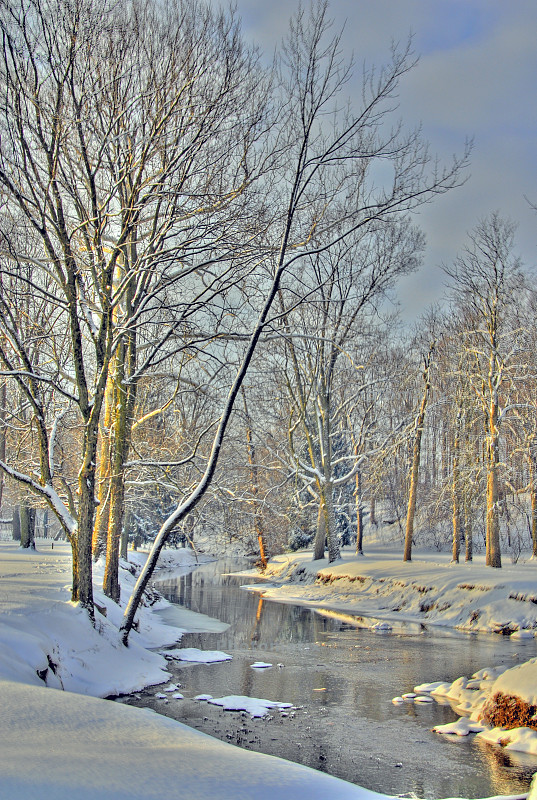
(475, 77)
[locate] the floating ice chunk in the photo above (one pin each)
(203, 697)
(461, 727)
(260, 665)
(198, 656)
(397, 701)
(178, 696)
(430, 687)
(161, 696)
(254, 706)
(381, 627)
(424, 699)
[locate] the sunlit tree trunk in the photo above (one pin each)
(416, 454)
(124, 399)
(254, 486)
(103, 475)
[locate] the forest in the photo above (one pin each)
(198, 334)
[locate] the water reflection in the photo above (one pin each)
(343, 677)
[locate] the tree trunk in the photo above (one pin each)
(455, 492)
(119, 448)
(359, 515)
(81, 541)
(468, 530)
(533, 499)
(320, 535)
(100, 529)
(16, 525)
(124, 544)
(330, 522)
(27, 527)
(3, 401)
(493, 554)
(125, 389)
(373, 510)
(414, 472)
(258, 524)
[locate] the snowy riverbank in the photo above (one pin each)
(429, 590)
(58, 744)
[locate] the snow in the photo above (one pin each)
(520, 680)
(461, 727)
(55, 745)
(198, 656)
(254, 706)
(260, 665)
(59, 738)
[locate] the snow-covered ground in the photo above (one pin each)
(60, 744)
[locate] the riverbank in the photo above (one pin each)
(429, 590)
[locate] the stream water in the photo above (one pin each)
(342, 678)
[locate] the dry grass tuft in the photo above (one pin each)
(508, 711)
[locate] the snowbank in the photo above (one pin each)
(47, 640)
(56, 746)
(429, 590)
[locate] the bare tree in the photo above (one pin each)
(321, 192)
(485, 279)
(128, 131)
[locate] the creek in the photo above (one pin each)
(341, 677)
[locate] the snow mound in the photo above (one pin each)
(253, 706)
(461, 727)
(198, 656)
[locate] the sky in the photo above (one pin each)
(476, 78)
